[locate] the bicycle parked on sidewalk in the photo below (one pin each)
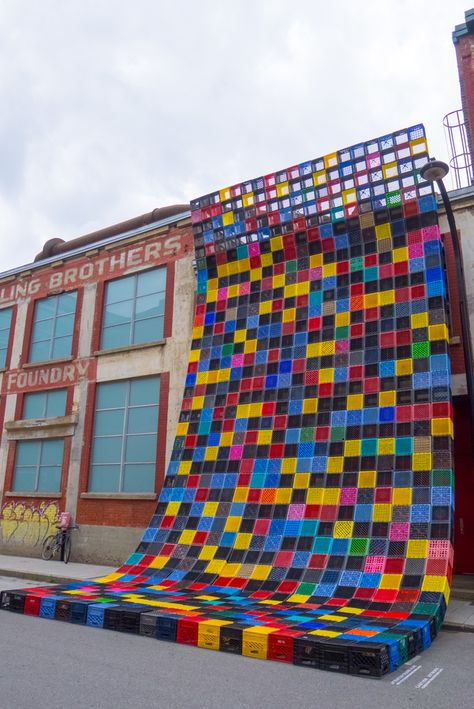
(60, 542)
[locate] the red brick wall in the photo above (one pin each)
(465, 59)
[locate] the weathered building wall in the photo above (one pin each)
(110, 522)
(463, 207)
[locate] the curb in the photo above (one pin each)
(457, 627)
(38, 576)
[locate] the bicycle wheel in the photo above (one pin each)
(67, 548)
(49, 547)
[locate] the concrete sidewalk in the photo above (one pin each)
(49, 571)
(460, 615)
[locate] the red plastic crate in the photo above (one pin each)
(187, 631)
(280, 645)
(32, 605)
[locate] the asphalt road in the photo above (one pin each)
(51, 665)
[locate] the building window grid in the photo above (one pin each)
(5, 324)
(134, 298)
(124, 436)
(53, 336)
(51, 403)
(43, 447)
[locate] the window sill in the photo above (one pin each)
(118, 496)
(128, 348)
(42, 495)
(29, 365)
(28, 429)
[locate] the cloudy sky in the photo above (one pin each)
(109, 109)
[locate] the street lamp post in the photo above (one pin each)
(434, 171)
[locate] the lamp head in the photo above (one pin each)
(434, 170)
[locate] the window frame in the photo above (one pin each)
(124, 436)
(3, 364)
(41, 443)
(133, 321)
(46, 393)
(52, 338)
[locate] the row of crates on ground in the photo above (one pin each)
(285, 645)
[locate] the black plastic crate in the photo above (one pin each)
(112, 618)
(148, 623)
(419, 645)
(306, 651)
(166, 627)
(63, 611)
(129, 620)
(79, 612)
(231, 639)
(334, 655)
(369, 659)
(13, 601)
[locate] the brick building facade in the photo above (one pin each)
(94, 337)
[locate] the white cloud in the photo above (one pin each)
(111, 109)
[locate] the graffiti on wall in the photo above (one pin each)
(27, 524)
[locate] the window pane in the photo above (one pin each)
(24, 479)
(56, 402)
(143, 419)
(64, 325)
(107, 449)
(118, 313)
(144, 391)
(49, 479)
(5, 318)
(104, 478)
(52, 452)
(53, 327)
(149, 306)
(151, 281)
(112, 456)
(4, 336)
(45, 308)
(42, 331)
(67, 303)
(27, 453)
(3, 357)
(118, 336)
(121, 289)
(39, 351)
(62, 347)
(109, 422)
(139, 478)
(141, 449)
(148, 330)
(111, 395)
(34, 405)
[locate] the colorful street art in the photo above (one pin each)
(28, 525)
(307, 511)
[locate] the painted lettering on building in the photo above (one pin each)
(100, 267)
(57, 375)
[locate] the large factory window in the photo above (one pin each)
(5, 322)
(53, 326)
(134, 309)
(125, 435)
(44, 404)
(38, 465)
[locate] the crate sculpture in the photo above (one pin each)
(307, 512)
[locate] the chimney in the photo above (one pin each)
(463, 38)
